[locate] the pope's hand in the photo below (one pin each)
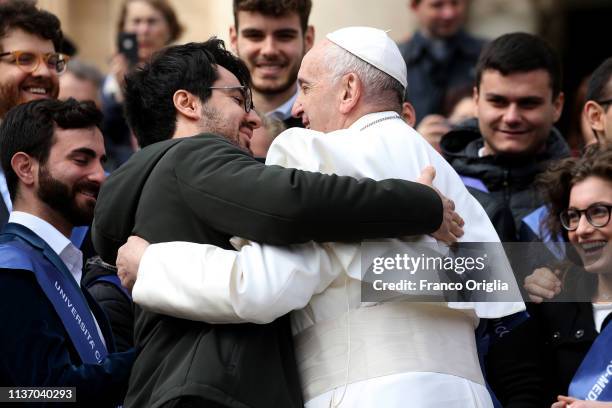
(128, 260)
(452, 224)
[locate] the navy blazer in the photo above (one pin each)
(35, 348)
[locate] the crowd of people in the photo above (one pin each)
(187, 230)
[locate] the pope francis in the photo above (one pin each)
(349, 353)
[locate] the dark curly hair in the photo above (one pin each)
(149, 90)
(27, 17)
(557, 182)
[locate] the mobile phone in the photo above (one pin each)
(128, 46)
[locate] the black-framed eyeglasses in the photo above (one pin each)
(29, 61)
(598, 215)
(247, 95)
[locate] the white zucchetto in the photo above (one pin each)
(373, 46)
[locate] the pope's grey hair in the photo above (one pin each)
(380, 88)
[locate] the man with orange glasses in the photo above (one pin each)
(29, 65)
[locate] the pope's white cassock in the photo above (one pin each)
(392, 354)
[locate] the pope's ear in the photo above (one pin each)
(187, 104)
(351, 92)
(408, 113)
(25, 167)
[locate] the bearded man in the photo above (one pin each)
(52, 333)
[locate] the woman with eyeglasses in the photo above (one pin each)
(144, 27)
(574, 332)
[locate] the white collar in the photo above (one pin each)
(283, 112)
(370, 119)
(62, 246)
(56, 240)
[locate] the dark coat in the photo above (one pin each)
(37, 350)
(566, 332)
(116, 131)
(203, 189)
(537, 361)
(507, 182)
(430, 78)
(514, 368)
(115, 301)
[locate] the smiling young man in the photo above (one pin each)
(29, 64)
(518, 99)
(272, 37)
(52, 333)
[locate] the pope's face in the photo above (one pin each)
(318, 91)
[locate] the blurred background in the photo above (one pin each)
(578, 29)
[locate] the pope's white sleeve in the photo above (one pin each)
(256, 284)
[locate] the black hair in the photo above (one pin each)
(600, 84)
(520, 52)
(275, 8)
(27, 17)
(149, 90)
(30, 128)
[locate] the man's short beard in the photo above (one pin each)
(61, 198)
(9, 98)
(278, 89)
(212, 122)
(10, 93)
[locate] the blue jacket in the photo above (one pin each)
(36, 349)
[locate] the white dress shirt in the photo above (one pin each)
(600, 313)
